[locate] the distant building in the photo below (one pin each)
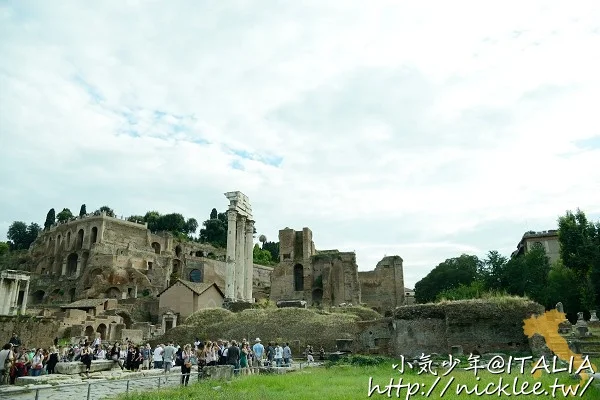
(409, 296)
(547, 239)
(183, 298)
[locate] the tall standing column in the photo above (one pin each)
(25, 295)
(230, 268)
(240, 256)
(249, 261)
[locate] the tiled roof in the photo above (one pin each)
(197, 288)
(85, 303)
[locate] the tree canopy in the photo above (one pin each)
(64, 216)
(21, 235)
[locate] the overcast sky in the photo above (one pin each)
(423, 129)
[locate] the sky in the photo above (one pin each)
(420, 129)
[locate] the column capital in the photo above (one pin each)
(243, 218)
(232, 214)
(250, 226)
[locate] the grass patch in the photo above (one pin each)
(347, 382)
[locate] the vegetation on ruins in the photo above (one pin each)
(64, 216)
(50, 219)
(21, 235)
(82, 210)
(573, 280)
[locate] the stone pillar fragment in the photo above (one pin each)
(231, 244)
(249, 261)
(240, 256)
(25, 295)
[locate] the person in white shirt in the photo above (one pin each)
(278, 355)
(157, 357)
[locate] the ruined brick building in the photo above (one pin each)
(98, 256)
(331, 277)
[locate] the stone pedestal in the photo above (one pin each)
(593, 316)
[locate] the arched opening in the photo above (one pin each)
(102, 331)
(58, 242)
(211, 255)
(72, 264)
(90, 333)
(37, 297)
(317, 297)
(126, 319)
(156, 247)
(72, 295)
(80, 239)
(93, 276)
(176, 267)
(196, 275)
(199, 253)
(298, 277)
(94, 235)
(178, 251)
(68, 239)
(113, 293)
(55, 295)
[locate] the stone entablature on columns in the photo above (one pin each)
(11, 283)
(240, 233)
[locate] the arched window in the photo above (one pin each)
(298, 277)
(80, 239)
(94, 235)
(196, 275)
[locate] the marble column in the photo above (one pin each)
(3, 297)
(240, 257)
(25, 295)
(230, 267)
(64, 268)
(249, 261)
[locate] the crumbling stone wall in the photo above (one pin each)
(33, 331)
(493, 325)
(383, 288)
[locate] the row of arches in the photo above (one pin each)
(67, 239)
(40, 296)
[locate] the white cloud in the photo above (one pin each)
(456, 124)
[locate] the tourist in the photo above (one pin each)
(97, 341)
(115, 355)
(309, 354)
(7, 358)
(52, 360)
(137, 359)
(197, 344)
(168, 354)
(259, 351)
(244, 358)
(278, 355)
(322, 354)
(233, 356)
(86, 358)
(186, 368)
(222, 358)
(270, 354)
(20, 367)
(99, 353)
(287, 355)
(146, 353)
(37, 363)
(15, 341)
(210, 353)
(157, 357)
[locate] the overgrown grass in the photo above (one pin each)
(351, 382)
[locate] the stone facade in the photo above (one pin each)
(99, 256)
(547, 239)
(14, 291)
(331, 277)
(185, 298)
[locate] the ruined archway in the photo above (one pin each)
(80, 239)
(94, 235)
(298, 278)
(102, 331)
(199, 253)
(317, 297)
(37, 297)
(178, 251)
(72, 264)
(156, 247)
(127, 320)
(90, 333)
(113, 293)
(68, 239)
(176, 267)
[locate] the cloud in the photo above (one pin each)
(380, 127)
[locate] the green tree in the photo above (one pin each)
(447, 275)
(580, 251)
(260, 256)
(273, 248)
(527, 275)
(492, 269)
(136, 218)
(106, 209)
(214, 214)
(4, 248)
(82, 210)
(560, 280)
(50, 219)
(64, 216)
(22, 235)
(474, 290)
(191, 226)
(153, 220)
(173, 223)
(214, 230)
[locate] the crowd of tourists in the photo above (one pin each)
(17, 359)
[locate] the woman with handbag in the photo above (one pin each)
(37, 363)
(187, 356)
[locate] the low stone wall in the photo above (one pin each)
(33, 331)
(219, 372)
(483, 326)
(72, 368)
